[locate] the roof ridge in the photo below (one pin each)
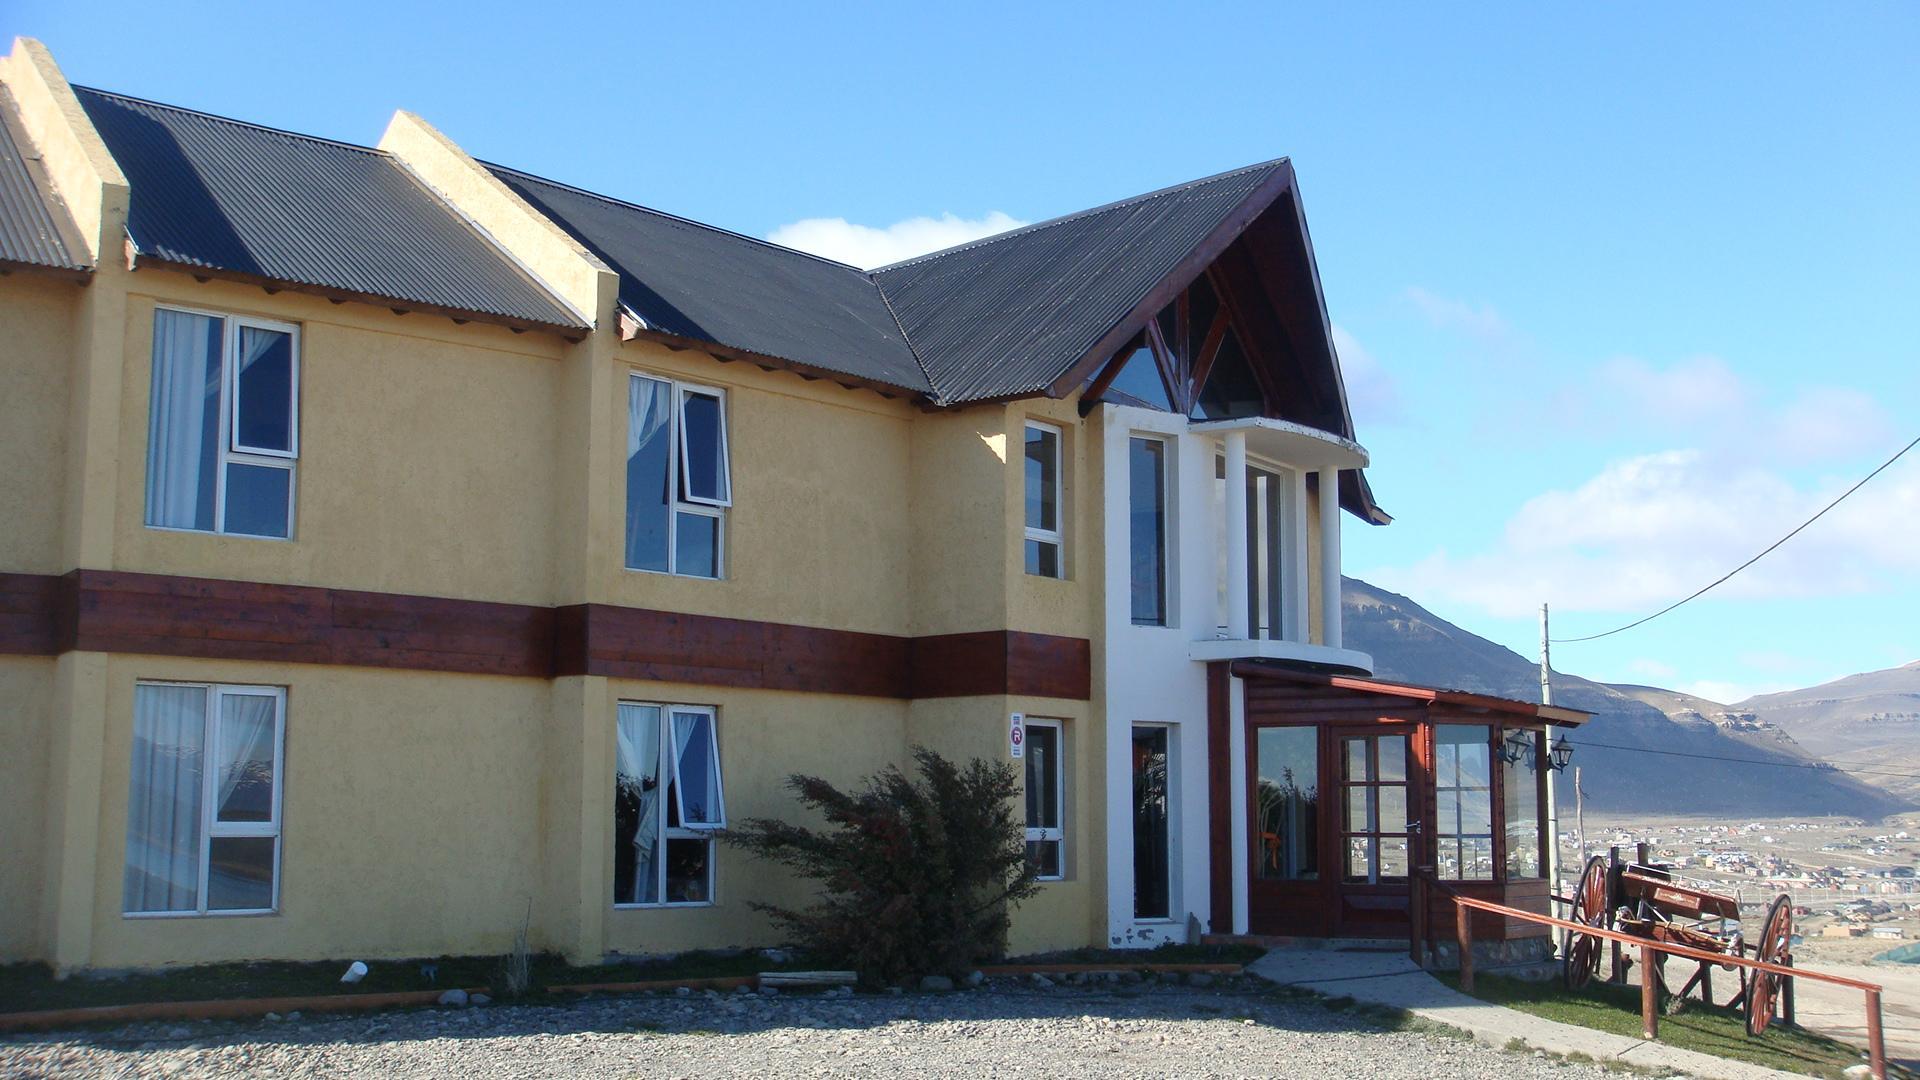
(302, 136)
(708, 226)
(1078, 214)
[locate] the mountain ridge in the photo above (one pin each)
(1635, 756)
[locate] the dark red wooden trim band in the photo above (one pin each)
(157, 614)
(1219, 795)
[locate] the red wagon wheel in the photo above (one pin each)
(1592, 906)
(1772, 946)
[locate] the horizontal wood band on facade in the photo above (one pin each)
(157, 614)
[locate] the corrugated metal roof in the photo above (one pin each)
(221, 194)
(31, 232)
(1010, 314)
(695, 281)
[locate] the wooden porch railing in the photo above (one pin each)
(1464, 906)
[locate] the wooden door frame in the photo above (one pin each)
(1419, 792)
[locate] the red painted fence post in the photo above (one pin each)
(1876, 1045)
(1649, 995)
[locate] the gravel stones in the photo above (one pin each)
(1007, 1028)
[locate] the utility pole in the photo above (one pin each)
(1553, 797)
(1546, 660)
(1580, 815)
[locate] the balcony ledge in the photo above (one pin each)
(1213, 650)
(1289, 443)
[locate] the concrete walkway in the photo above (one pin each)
(1389, 978)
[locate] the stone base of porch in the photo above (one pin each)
(1528, 958)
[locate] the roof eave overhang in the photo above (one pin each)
(633, 328)
(81, 274)
(1549, 714)
(397, 305)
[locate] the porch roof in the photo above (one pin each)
(1433, 695)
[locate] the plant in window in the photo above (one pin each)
(917, 874)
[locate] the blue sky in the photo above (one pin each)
(1623, 291)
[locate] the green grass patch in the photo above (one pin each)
(1169, 953)
(1708, 1029)
(32, 987)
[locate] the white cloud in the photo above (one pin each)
(1731, 693)
(866, 246)
(1648, 530)
(1719, 407)
(1698, 388)
(1647, 667)
(1372, 394)
(1481, 322)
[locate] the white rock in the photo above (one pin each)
(355, 972)
(454, 997)
(478, 999)
(930, 983)
(975, 978)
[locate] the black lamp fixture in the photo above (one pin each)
(1561, 755)
(1519, 741)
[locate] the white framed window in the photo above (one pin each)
(203, 800)
(1044, 547)
(1147, 528)
(1045, 757)
(679, 477)
(667, 804)
(223, 428)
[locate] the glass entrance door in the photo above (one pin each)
(1374, 786)
(1378, 829)
(1152, 861)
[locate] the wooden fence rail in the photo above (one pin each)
(1649, 984)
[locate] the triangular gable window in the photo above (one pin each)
(1187, 359)
(1231, 390)
(1139, 381)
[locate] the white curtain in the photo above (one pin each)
(163, 799)
(637, 749)
(186, 385)
(246, 756)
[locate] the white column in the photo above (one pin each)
(1330, 629)
(1236, 538)
(1298, 573)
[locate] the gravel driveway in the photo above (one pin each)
(1006, 1028)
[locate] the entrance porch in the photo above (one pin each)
(1333, 796)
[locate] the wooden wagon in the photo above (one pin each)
(1647, 900)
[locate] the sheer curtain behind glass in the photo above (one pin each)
(649, 476)
(184, 427)
(246, 759)
(163, 799)
(636, 799)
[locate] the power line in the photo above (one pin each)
(1578, 742)
(1770, 548)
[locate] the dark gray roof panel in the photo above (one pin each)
(695, 281)
(30, 220)
(1010, 314)
(213, 192)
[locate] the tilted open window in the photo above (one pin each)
(223, 424)
(679, 477)
(667, 804)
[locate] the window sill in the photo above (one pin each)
(667, 907)
(238, 913)
(215, 532)
(670, 574)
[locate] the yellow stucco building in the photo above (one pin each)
(399, 547)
